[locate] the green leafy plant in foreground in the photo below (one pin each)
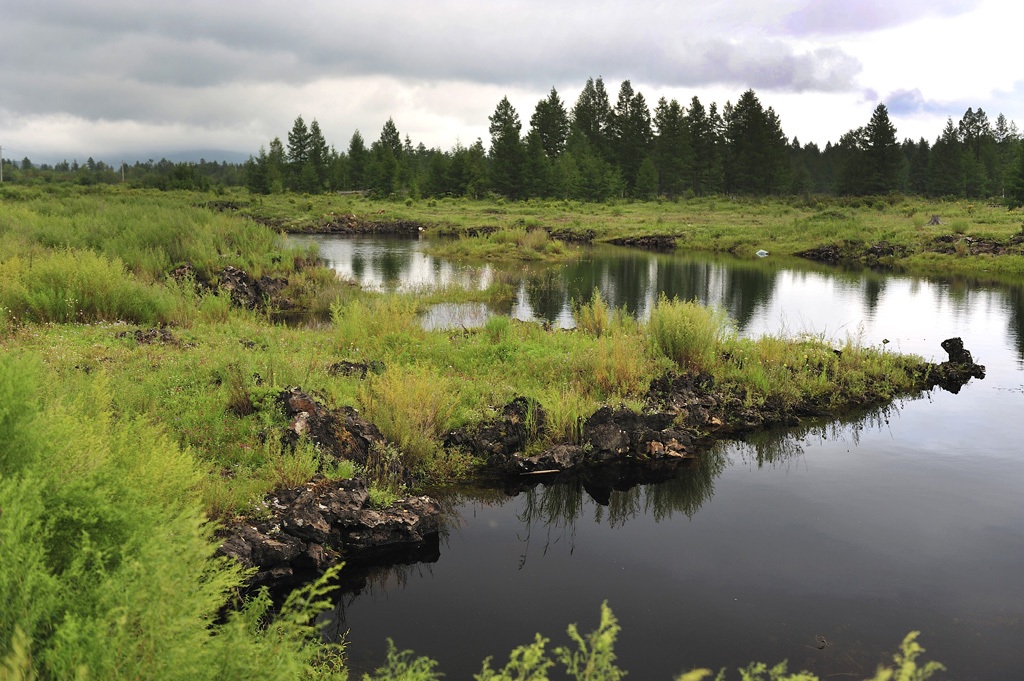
(107, 567)
(591, 657)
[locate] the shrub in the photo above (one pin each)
(411, 406)
(687, 332)
(116, 576)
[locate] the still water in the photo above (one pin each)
(859, 531)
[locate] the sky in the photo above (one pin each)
(127, 80)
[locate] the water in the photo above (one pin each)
(907, 519)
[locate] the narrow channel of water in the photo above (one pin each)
(908, 519)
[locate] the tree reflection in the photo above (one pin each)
(1015, 314)
(633, 280)
(778, 447)
(617, 496)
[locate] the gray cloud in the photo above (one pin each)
(161, 74)
(912, 102)
(115, 59)
(833, 17)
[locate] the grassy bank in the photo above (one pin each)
(212, 385)
(967, 238)
(87, 286)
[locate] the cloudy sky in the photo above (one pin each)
(124, 79)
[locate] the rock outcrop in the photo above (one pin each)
(320, 523)
(955, 372)
(340, 433)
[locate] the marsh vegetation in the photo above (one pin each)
(142, 377)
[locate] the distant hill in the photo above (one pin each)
(193, 156)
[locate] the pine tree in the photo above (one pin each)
(917, 158)
(756, 155)
(506, 153)
(298, 152)
(672, 153)
(318, 158)
(386, 154)
(536, 167)
(981, 162)
(705, 138)
(1016, 184)
(630, 133)
(467, 172)
(591, 117)
(256, 173)
(882, 157)
(1007, 139)
(358, 159)
(646, 180)
(945, 164)
(551, 123)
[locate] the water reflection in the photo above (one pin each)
(769, 448)
(634, 280)
(771, 295)
(1015, 310)
(391, 263)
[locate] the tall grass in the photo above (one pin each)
(412, 407)
(376, 323)
(514, 242)
(594, 317)
(687, 333)
(78, 286)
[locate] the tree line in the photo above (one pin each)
(596, 150)
(162, 174)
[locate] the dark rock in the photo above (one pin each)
(349, 224)
(617, 433)
(957, 353)
(611, 436)
(320, 523)
(340, 433)
(571, 236)
(150, 336)
(954, 373)
(692, 399)
(557, 458)
(222, 205)
(855, 251)
(500, 438)
(650, 242)
(360, 369)
(250, 293)
(828, 254)
(253, 294)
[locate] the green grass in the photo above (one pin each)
(782, 226)
(66, 295)
(507, 244)
(214, 389)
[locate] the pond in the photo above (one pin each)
(859, 531)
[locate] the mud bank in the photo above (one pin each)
(885, 253)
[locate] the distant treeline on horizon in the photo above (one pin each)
(596, 151)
